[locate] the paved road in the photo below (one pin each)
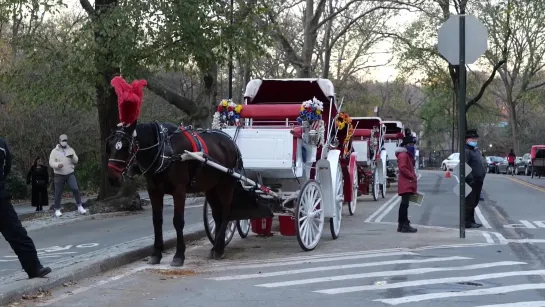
(369, 265)
(61, 242)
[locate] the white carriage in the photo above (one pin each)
(289, 163)
(371, 157)
(395, 131)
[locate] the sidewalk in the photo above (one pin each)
(25, 208)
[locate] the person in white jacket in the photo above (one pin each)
(63, 160)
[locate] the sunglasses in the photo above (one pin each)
(64, 140)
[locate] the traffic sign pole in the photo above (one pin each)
(462, 121)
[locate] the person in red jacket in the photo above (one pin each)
(511, 160)
(406, 185)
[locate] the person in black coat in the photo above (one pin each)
(10, 226)
(475, 179)
(39, 177)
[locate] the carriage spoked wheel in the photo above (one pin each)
(210, 225)
(383, 190)
(352, 205)
(375, 186)
(335, 222)
(309, 215)
(243, 228)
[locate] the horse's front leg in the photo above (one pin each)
(179, 222)
(156, 198)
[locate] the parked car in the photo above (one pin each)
(451, 162)
(525, 165)
(494, 163)
(501, 166)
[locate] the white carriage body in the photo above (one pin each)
(268, 143)
(394, 135)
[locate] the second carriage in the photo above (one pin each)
(290, 148)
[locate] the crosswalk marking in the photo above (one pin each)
(306, 260)
(519, 304)
(339, 267)
(434, 281)
(386, 274)
(478, 292)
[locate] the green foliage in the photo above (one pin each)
(16, 184)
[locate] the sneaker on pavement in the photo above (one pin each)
(58, 213)
(81, 209)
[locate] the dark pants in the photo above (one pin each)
(17, 237)
(472, 200)
(39, 197)
(403, 215)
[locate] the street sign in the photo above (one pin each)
(456, 189)
(476, 39)
(468, 170)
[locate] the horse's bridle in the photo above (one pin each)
(133, 147)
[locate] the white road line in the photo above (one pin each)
(435, 281)
(390, 207)
(337, 267)
(488, 237)
(394, 203)
(481, 218)
(280, 262)
(519, 304)
(385, 274)
(478, 292)
(379, 210)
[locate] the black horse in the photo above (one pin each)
(156, 150)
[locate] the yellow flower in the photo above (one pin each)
(318, 112)
(302, 109)
(238, 108)
(224, 103)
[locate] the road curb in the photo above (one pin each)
(84, 266)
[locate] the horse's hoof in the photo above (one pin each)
(211, 254)
(177, 262)
(219, 256)
(154, 260)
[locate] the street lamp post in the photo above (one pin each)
(231, 56)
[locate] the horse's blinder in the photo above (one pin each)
(133, 144)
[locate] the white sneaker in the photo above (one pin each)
(58, 213)
(81, 209)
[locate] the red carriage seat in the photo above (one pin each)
(271, 114)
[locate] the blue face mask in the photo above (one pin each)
(472, 144)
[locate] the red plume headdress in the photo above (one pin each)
(129, 98)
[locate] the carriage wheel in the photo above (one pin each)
(243, 228)
(210, 225)
(375, 185)
(309, 215)
(335, 222)
(355, 185)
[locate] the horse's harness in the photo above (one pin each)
(165, 152)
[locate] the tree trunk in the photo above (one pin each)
(514, 127)
(327, 42)
(207, 99)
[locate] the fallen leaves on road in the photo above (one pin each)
(41, 294)
(173, 272)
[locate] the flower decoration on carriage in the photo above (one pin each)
(311, 111)
(227, 113)
(343, 121)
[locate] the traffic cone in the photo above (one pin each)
(447, 174)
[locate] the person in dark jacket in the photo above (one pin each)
(475, 179)
(39, 177)
(10, 225)
(406, 185)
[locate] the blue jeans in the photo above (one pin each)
(60, 181)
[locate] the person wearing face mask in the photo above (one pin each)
(63, 160)
(475, 179)
(407, 182)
